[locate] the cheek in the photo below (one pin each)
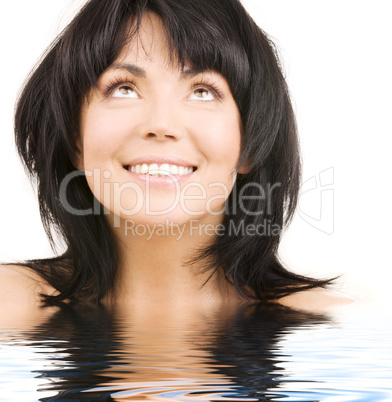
(220, 142)
(220, 139)
(217, 136)
(102, 133)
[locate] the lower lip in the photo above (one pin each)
(160, 181)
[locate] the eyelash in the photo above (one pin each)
(114, 84)
(203, 83)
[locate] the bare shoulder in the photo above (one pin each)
(20, 298)
(316, 300)
(21, 285)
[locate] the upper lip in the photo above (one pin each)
(160, 160)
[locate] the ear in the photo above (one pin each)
(244, 168)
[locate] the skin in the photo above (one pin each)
(162, 113)
(20, 304)
(20, 299)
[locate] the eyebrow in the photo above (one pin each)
(186, 73)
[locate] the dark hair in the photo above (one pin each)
(97, 345)
(209, 34)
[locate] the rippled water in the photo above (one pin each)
(253, 354)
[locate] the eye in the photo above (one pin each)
(125, 91)
(202, 94)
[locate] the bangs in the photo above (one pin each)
(196, 36)
(217, 35)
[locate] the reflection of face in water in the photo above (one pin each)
(96, 354)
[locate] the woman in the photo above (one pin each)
(164, 146)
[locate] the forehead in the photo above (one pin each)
(149, 43)
(179, 44)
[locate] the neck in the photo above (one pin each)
(155, 267)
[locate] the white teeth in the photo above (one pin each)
(153, 169)
(162, 170)
(144, 168)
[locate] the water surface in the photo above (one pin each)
(256, 353)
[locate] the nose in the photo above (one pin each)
(162, 122)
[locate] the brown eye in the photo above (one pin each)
(202, 94)
(125, 91)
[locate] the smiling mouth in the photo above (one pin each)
(162, 170)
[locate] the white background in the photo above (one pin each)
(337, 59)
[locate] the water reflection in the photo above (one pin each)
(90, 353)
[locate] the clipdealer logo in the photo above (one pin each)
(317, 201)
(315, 206)
(195, 227)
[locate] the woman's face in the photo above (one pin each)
(159, 143)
